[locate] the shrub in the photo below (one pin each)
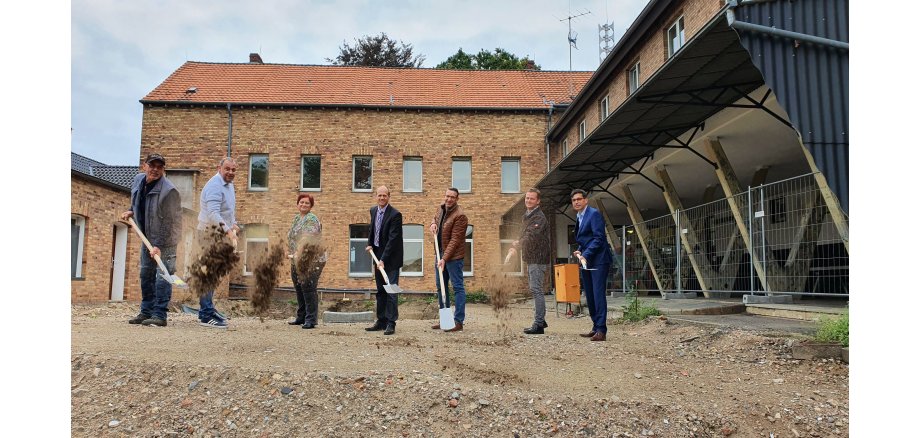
(635, 310)
(834, 329)
(479, 296)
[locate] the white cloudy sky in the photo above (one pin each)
(121, 50)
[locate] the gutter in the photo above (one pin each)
(229, 130)
(338, 105)
(781, 33)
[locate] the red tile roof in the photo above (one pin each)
(366, 86)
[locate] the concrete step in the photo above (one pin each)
(794, 311)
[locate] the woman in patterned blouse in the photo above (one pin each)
(305, 225)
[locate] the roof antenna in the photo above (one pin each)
(573, 36)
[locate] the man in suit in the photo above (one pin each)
(386, 240)
(593, 252)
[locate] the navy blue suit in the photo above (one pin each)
(390, 252)
(591, 237)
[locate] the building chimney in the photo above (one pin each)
(530, 65)
(254, 58)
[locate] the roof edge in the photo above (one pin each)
(99, 181)
(337, 105)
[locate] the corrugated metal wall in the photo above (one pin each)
(811, 81)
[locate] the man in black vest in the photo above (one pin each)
(386, 240)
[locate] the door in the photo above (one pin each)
(119, 254)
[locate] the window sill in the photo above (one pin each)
(512, 193)
(362, 190)
(350, 275)
(77, 278)
(258, 189)
(411, 274)
(311, 189)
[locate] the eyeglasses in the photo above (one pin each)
(577, 199)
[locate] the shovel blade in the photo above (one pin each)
(174, 280)
(447, 318)
(392, 288)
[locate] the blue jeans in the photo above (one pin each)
(453, 274)
(156, 291)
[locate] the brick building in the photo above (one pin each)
(339, 132)
(104, 254)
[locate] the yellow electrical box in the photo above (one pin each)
(568, 286)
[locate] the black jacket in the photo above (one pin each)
(390, 251)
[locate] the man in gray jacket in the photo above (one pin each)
(534, 245)
(157, 210)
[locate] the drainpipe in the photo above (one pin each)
(229, 130)
(549, 122)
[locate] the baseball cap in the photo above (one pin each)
(155, 157)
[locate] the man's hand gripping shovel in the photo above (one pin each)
(171, 278)
(390, 288)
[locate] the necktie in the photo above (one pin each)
(377, 223)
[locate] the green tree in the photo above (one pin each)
(378, 51)
(500, 59)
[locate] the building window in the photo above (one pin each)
(514, 265)
(468, 258)
(604, 107)
(363, 172)
(462, 178)
(77, 236)
(359, 262)
(258, 172)
(412, 174)
(256, 238)
(582, 131)
(675, 36)
(511, 175)
(413, 250)
(310, 172)
(634, 78)
(184, 181)
(565, 147)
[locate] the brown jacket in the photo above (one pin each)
(453, 233)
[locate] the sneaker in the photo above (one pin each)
(535, 330)
(214, 323)
(140, 318)
(154, 321)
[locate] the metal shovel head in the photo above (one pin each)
(447, 318)
(174, 280)
(392, 288)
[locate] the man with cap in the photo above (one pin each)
(157, 210)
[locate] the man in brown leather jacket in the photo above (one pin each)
(449, 227)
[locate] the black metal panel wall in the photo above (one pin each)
(811, 81)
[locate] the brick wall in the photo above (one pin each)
(100, 206)
(196, 138)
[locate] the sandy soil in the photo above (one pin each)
(262, 377)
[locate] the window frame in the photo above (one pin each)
(249, 178)
(565, 147)
(633, 77)
(354, 162)
(453, 180)
(247, 240)
(582, 130)
(361, 246)
(311, 189)
(517, 177)
(469, 253)
(679, 30)
(604, 108)
(421, 242)
(77, 268)
(421, 174)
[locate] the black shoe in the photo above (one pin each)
(138, 319)
(391, 328)
(379, 325)
(159, 322)
(545, 325)
(296, 322)
(535, 330)
(308, 326)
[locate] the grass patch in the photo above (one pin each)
(479, 296)
(834, 329)
(635, 310)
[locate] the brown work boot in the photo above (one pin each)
(588, 335)
(436, 326)
(457, 328)
(599, 337)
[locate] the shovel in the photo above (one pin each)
(446, 315)
(584, 265)
(390, 288)
(171, 278)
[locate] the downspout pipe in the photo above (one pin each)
(229, 130)
(549, 123)
(751, 27)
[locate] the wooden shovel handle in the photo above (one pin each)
(148, 245)
(382, 272)
(437, 251)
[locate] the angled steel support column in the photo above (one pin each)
(642, 233)
(833, 206)
(690, 240)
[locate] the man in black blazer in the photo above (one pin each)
(386, 240)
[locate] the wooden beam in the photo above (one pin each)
(642, 233)
(690, 240)
(729, 181)
(833, 205)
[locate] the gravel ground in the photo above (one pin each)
(262, 377)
